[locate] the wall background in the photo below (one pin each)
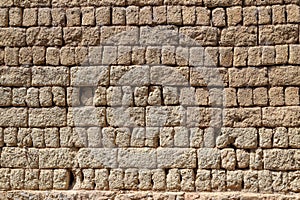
(150, 99)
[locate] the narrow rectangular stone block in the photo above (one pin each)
(137, 158)
(13, 117)
(14, 76)
(12, 37)
(47, 117)
(122, 116)
(281, 159)
(176, 158)
(97, 158)
(15, 157)
(50, 76)
(287, 75)
(57, 158)
(281, 116)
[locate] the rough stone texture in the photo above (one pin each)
(149, 99)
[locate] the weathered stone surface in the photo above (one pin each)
(13, 117)
(281, 159)
(14, 157)
(281, 116)
(281, 76)
(12, 37)
(14, 76)
(176, 158)
(278, 34)
(248, 77)
(137, 158)
(97, 158)
(239, 36)
(44, 36)
(57, 158)
(58, 76)
(47, 117)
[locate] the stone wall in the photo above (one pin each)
(149, 99)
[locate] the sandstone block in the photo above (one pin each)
(45, 117)
(280, 116)
(242, 117)
(165, 116)
(58, 16)
(57, 158)
(239, 36)
(87, 116)
(57, 76)
(291, 96)
(97, 158)
(12, 37)
(13, 117)
(163, 35)
(101, 179)
(30, 17)
(248, 77)
(44, 17)
(10, 136)
(294, 137)
(209, 158)
(176, 158)
(89, 76)
(169, 76)
(203, 180)
(102, 16)
(31, 180)
(281, 159)
(264, 15)
(61, 179)
(137, 158)
(45, 179)
(15, 157)
(5, 179)
(265, 138)
(17, 179)
(279, 34)
(234, 180)
(44, 36)
(198, 36)
(88, 16)
(218, 17)
(260, 96)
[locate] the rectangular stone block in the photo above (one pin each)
(97, 158)
(122, 116)
(165, 116)
(15, 157)
(176, 158)
(12, 37)
(242, 117)
(246, 77)
(57, 158)
(13, 117)
(203, 117)
(144, 158)
(278, 34)
(281, 116)
(281, 159)
(169, 76)
(239, 36)
(287, 75)
(90, 76)
(47, 117)
(209, 158)
(87, 116)
(50, 76)
(159, 35)
(130, 75)
(14, 76)
(199, 36)
(44, 36)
